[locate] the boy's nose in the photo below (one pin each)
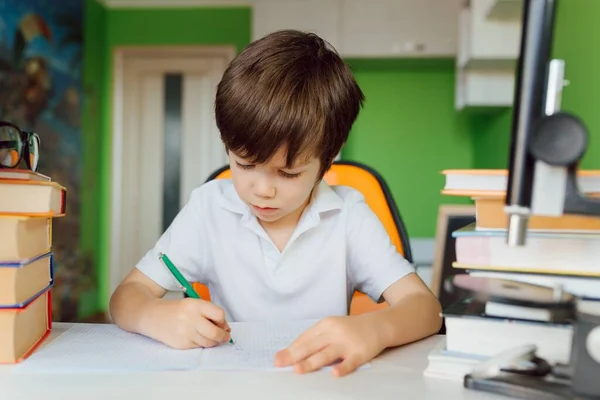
(264, 188)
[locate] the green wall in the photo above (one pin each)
(194, 26)
(94, 75)
(491, 139)
(575, 41)
(409, 131)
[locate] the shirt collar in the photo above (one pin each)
(325, 199)
(232, 201)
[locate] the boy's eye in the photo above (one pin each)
(288, 175)
(244, 166)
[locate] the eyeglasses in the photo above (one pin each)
(16, 145)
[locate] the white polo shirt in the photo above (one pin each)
(338, 246)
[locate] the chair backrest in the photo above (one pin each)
(377, 195)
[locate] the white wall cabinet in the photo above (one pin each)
(487, 42)
(367, 28)
(399, 28)
(488, 49)
(484, 36)
(505, 10)
(319, 16)
(484, 88)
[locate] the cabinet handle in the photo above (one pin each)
(410, 47)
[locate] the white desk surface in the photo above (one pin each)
(395, 374)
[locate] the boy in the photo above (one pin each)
(275, 241)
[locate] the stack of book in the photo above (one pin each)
(561, 253)
(28, 203)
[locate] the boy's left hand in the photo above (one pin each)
(353, 340)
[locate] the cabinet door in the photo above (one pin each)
(492, 39)
(317, 16)
(399, 28)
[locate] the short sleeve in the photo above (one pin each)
(182, 242)
(373, 260)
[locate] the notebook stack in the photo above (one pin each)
(561, 253)
(28, 203)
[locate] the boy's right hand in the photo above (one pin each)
(188, 323)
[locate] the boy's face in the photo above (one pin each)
(273, 192)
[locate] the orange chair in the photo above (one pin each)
(378, 197)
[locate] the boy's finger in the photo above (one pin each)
(318, 360)
(298, 351)
(212, 331)
(202, 341)
(347, 366)
(224, 325)
(283, 358)
(214, 313)
(308, 334)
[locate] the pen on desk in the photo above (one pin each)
(187, 287)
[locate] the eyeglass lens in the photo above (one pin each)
(11, 146)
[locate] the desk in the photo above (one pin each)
(395, 374)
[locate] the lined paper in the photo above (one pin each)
(255, 345)
(106, 347)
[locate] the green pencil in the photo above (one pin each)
(187, 287)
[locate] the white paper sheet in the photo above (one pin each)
(255, 345)
(105, 347)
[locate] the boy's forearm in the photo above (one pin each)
(415, 317)
(130, 305)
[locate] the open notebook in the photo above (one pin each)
(105, 347)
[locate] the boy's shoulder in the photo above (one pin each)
(348, 194)
(214, 187)
(342, 197)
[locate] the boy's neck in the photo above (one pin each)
(280, 232)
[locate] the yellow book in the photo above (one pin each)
(24, 237)
(23, 280)
(23, 329)
(32, 198)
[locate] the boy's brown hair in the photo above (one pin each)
(287, 89)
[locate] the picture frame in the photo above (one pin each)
(450, 218)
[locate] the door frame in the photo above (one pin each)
(123, 58)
